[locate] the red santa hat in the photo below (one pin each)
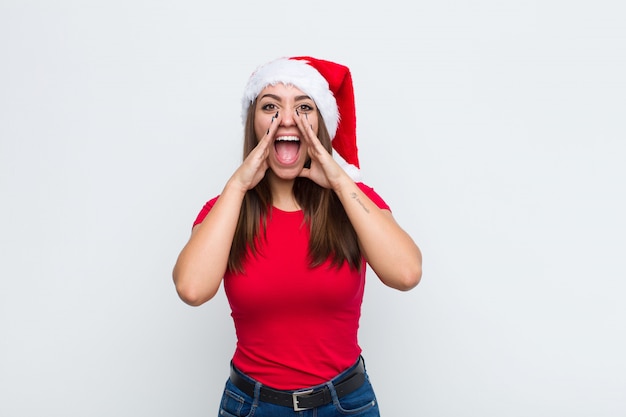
(330, 85)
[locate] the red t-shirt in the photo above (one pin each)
(296, 326)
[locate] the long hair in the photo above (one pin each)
(331, 233)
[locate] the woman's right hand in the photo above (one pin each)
(253, 168)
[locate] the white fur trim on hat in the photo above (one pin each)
(301, 75)
(352, 171)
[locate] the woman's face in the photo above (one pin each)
(288, 153)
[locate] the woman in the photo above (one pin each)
(290, 235)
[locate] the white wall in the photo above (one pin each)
(495, 129)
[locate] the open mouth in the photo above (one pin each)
(287, 149)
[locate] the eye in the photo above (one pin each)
(269, 107)
(305, 108)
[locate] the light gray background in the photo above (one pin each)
(494, 129)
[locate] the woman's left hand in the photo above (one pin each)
(324, 170)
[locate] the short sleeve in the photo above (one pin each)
(205, 210)
(373, 195)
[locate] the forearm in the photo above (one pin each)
(202, 263)
(389, 250)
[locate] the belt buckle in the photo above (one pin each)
(294, 397)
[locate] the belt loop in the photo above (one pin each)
(257, 393)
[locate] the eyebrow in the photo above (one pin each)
(277, 98)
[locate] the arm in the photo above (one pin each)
(201, 265)
(388, 249)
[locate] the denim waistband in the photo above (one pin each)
(306, 398)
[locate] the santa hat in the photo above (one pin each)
(330, 85)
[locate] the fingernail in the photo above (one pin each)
(276, 115)
(297, 114)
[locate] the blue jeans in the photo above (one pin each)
(359, 403)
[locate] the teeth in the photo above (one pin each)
(288, 138)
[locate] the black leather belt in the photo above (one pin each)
(303, 399)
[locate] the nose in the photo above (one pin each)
(287, 119)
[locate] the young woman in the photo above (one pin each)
(290, 235)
